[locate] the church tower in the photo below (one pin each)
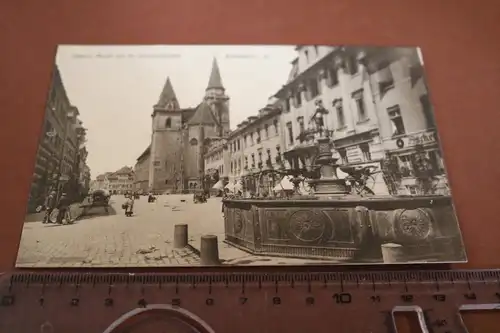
(215, 96)
(165, 169)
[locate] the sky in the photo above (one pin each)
(115, 88)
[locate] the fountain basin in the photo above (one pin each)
(345, 228)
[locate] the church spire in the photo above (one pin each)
(215, 81)
(168, 99)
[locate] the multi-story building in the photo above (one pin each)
(217, 160)
(121, 181)
(179, 136)
(58, 146)
(378, 107)
(101, 182)
(141, 171)
(255, 145)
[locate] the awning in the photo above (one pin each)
(219, 185)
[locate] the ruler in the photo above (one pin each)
(364, 302)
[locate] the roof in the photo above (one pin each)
(215, 80)
(145, 153)
(203, 116)
(168, 99)
(123, 170)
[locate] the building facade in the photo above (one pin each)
(180, 135)
(254, 146)
(57, 159)
(141, 171)
(121, 181)
(377, 105)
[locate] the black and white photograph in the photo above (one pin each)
(232, 155)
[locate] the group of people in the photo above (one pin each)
(62, 205)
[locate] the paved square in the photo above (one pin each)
(144, 240)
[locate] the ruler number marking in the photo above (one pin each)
(439, 297)
(342, 298)
(408, 298)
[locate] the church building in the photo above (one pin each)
(175, 161)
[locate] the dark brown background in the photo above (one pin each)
(459, 40)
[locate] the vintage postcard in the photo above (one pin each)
(187, 155)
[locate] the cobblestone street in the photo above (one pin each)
(144, 240)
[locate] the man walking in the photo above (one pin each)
(63, 207)
(50, 204)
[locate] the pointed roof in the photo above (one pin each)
(167, 97)
(215, 80)
(203, 116)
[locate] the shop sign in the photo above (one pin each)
(422, 139)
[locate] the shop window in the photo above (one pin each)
(398, 127)
(405, 166)
(412, 190)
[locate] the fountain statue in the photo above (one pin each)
(336, 222)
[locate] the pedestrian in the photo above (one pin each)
(129, 210)
(50, 204)
(62, 206)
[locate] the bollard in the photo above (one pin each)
(209, 250)
(180, 236)
(392, 253)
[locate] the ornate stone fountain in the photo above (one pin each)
(338, 226)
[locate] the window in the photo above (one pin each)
(275, 124)
(343, 155)
(266, 131)
(398, 127)
(298, 98)
(412, 189)
(287, 104)
(427, 110)
(239, 145)
(436, 161)
(302, 128)
(360, 105)
(257, 133)
(290, 133)
(168, 123)
(245, 142)
(385, 78)
(193, 142)
(340, 115)
(333, 77)
(352, 65)
(365, 149)
(253, 160)
(251, 138)
(306, 53)
(405, 165)
(316, 50)
(157, 163)
(313, 87)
